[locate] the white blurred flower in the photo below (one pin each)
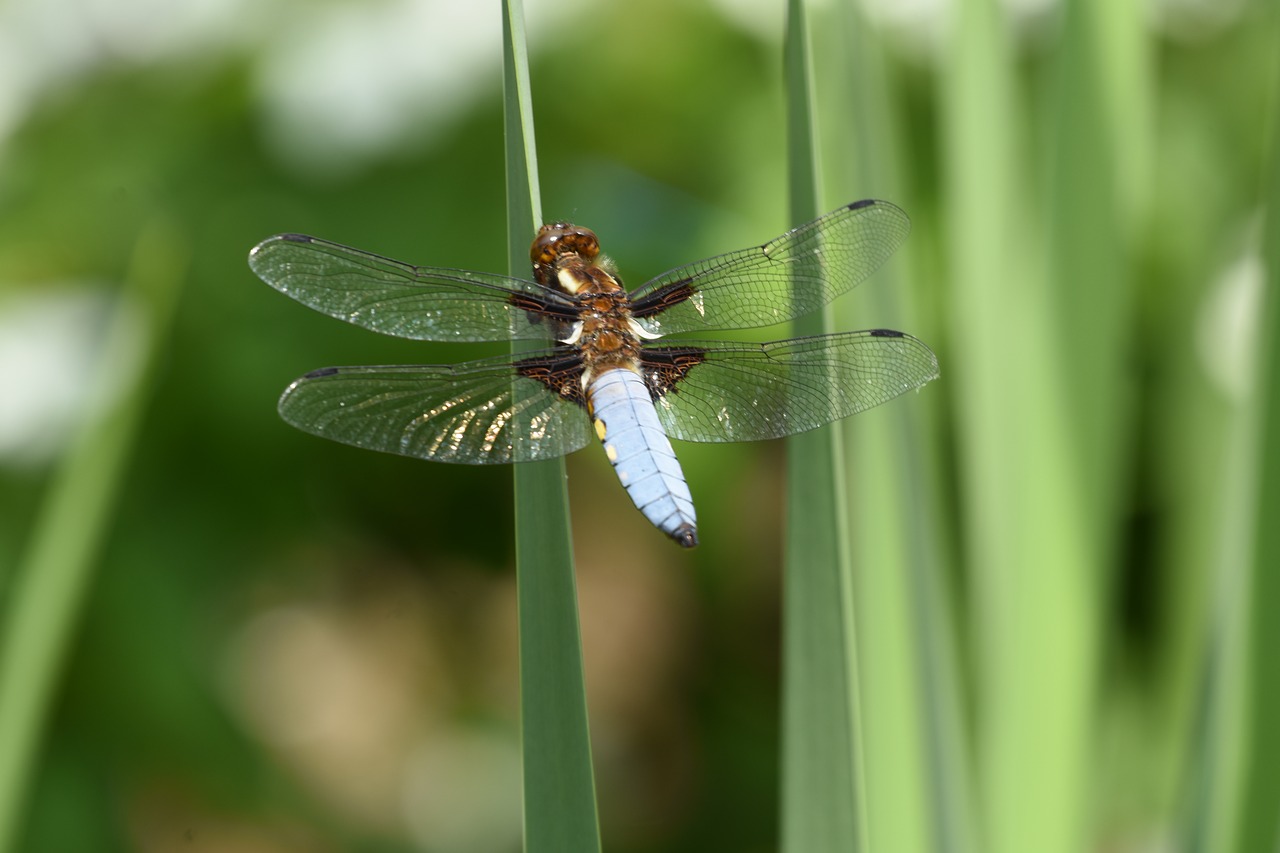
(1227, 332)
(53, 375)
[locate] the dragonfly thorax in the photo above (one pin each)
(606, 334)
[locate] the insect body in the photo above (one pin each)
(607, 369)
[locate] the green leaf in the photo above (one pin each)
(916, 764)
(559, 786)
(1260, 804)
(822, 800)
(54, 576)
(1036, 546)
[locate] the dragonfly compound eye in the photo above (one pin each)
(556, 239)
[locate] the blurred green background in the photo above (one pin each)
(286, 644)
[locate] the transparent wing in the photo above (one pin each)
(421, 303)
(475, 413)
(722, 391)
(793, 275)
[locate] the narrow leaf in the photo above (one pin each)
(559, 786)
(822, 805)
(54, 576)
(916, 764)
(1260, 803)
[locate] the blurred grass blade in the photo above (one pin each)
(918, 783)
(55, 575)
(1230, 796)
(1097, 105)
(1096, 163)
(822, 808)
(1034, 570)
(559, 786)
(1211, 793)
(1259, 827)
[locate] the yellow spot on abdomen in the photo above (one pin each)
(611, 452)
(599, 429)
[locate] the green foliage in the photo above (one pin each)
(559, 786)
(1254, 598)
(1059, 579)
(822, 776)
(51, 582)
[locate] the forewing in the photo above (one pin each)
(718, 391)
(421, 303)
(793, 275)
(475, 413)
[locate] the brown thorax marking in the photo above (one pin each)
(567, 257)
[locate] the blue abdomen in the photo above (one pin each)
(627, 425)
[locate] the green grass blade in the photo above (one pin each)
(822, 808)
(1211, 795)
(1032, 563)
(918, 782)
(559, 785)
(1098, 110)
(1095, 164)
(57, 571)
(1044, 440)
(1259, 827)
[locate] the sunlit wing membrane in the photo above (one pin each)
(475, 413)
(721, 391)
(791, 276)
(421, 303)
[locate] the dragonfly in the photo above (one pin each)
(606, 368)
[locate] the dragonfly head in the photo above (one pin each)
(554, 241)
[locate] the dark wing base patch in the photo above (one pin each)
(664, 367)
(560, 371)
